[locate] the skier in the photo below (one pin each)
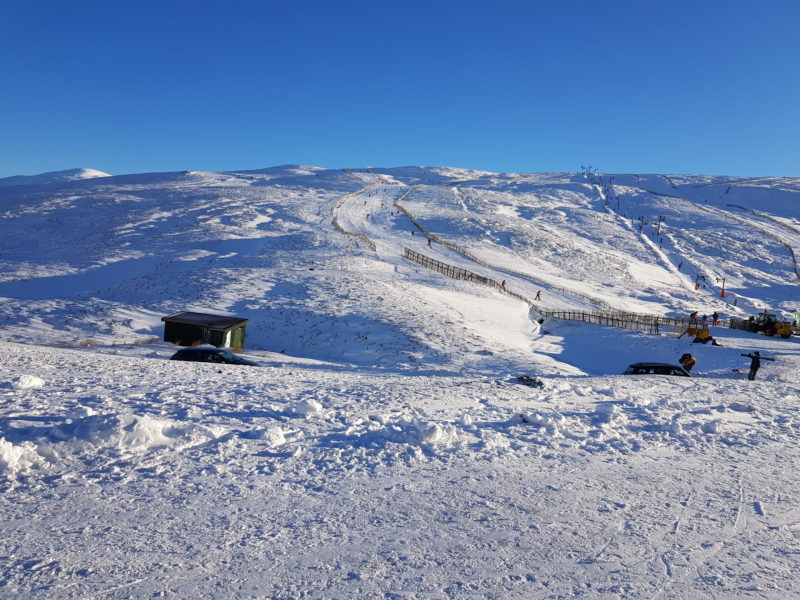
(503, 284)
(715, 318)
(755, 363)
(687, 361)
(538, 295)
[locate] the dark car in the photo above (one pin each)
(654, 368)
(212, 355)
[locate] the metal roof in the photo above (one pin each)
(220, 322)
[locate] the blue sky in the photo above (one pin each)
(642, 86)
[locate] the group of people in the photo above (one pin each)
(538, 293)
(687, 361)
(693, 318)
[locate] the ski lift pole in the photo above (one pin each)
(697, 281)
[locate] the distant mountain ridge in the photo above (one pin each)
(53, 177)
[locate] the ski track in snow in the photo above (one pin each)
(385, 447)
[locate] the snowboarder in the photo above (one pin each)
(538, 295)
(755, 363)
(687, 361)
(429, 242)
(503, 284)
(715, 318)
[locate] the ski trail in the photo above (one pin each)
(748, 222)
(781, 225)
(348, 223)
(656, 251)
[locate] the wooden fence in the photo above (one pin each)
(610, 318)
(635, 322)
(467, 254)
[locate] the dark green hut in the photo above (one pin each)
(191, 329)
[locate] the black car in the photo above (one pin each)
(212, 355)
(654, 368)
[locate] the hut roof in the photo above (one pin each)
(218, 322)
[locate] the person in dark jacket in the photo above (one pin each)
(755, 363)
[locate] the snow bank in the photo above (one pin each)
(380, 433)
(132, 433)
(627, 426)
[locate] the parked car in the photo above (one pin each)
(654, 368)
(212, 355)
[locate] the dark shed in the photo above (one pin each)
(191, 328)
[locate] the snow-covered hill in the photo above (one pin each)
(53, 177)
(104, 261)
(386, 448)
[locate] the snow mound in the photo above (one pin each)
(23, 382)
(626, 426)
(132, 433)
(380, 432)
(272, 436)
(53, 177)
(548, 423)
(308, 408)
(16, 458)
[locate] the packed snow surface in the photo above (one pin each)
(386, 446)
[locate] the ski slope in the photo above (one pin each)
(385, 447)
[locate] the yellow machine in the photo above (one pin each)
(698, 332)
(764, 323)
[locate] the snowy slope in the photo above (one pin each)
(385, 448)
(104, 261)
